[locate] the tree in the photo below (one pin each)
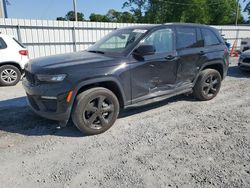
(70, 16)
(197, 11)
(137, 7)
(126, 17)
(247, 9)
(98, 18)
(61, 19)
(113, 16)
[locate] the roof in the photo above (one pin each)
(146, 26)
(186, 24)
(150, 26)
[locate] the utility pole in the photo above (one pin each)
(3, 9)
(75, 11)
(237, 12)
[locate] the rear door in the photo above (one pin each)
(190, 51)
(213, 46)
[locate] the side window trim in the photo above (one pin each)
(4, 44)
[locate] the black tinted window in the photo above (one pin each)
(2, 44)
(186, 38)
(162, 40)
(209, 37)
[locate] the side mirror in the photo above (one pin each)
(144, 50)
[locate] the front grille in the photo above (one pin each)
(30, 77)
(50, 105)
(246, 60)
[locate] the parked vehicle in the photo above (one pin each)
(244, 61)
(13, 57)
(129, 67)
(245, 44)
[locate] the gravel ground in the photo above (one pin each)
(179, 142)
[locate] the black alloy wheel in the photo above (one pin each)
(95, 110)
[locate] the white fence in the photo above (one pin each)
(48, 37)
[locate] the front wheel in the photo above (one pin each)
(9, 75)
(95, 110)
(208, 85)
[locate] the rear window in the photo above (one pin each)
(210, 38)
(186, 38)
(2, 44)
(19, 43)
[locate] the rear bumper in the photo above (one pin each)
(49, 100)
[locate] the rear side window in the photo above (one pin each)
(2, 44)
(186, 38)
(19, 43)
(210, 38)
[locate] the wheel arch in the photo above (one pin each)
(109, 83)
(13, 64)
(216, 66)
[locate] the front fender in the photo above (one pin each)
(99, 80)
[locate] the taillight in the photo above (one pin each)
(226, 53)
(24, 52)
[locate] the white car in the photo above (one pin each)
(13, 57)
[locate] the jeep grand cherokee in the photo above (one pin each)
(129, 67)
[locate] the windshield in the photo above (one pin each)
(117, 41)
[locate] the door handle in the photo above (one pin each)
(202, 53)
(171, 58)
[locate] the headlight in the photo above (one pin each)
(51, 78)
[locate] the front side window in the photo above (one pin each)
(210, 38)
(186, 38)
(118, 41)
(162, 40)
(2, 44)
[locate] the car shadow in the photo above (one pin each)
(234, 71)
(136, 110)
(17, 117)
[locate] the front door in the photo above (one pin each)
(155, 72)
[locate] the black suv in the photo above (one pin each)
(129, 67)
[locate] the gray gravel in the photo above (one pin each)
(179, 142)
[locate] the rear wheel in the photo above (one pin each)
(9, 75)
(95, 110)
(208, 85)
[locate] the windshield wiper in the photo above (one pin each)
(96, 51)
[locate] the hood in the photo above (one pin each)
(246, 53)
(66, 60)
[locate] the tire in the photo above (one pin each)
(95, 110)
(9, 75)
(208, 85)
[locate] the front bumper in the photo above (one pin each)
(49, 100)
(244, 65)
